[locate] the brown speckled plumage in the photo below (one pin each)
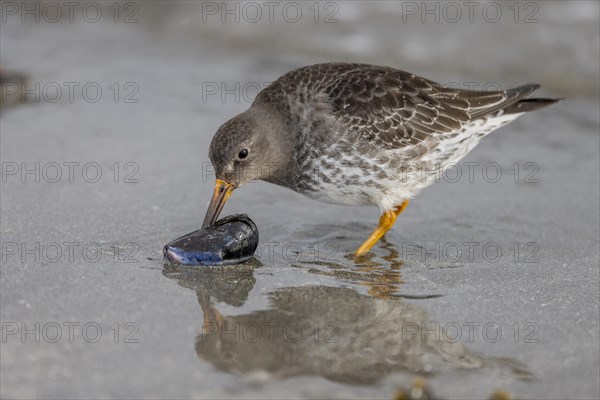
(359, 134)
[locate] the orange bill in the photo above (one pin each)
(222, 192)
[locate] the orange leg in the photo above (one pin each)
(386, 221)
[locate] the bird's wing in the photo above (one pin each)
(397, 109)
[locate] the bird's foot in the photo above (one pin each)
(386, 221)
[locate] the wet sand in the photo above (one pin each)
(488, 281)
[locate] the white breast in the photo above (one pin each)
(347, 185)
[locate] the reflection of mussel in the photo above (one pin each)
(231, 240)
(229, 285)
(332, 332)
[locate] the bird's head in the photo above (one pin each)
(246, 148)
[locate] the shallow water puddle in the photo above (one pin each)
(333, 332)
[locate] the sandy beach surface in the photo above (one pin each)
(489, 281)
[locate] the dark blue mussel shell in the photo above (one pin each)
(231, 240)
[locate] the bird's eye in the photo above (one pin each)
(243, 153)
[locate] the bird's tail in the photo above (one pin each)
(521, 104)
(513, 101)
(526, 105)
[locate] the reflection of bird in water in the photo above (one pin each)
(331, 332)
(420, 391)
(387, 279)
(382, 278)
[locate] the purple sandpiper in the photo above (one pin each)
(357, 134)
